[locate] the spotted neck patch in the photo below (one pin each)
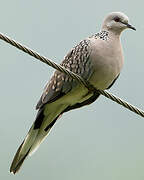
(101, 35)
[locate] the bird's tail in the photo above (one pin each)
(24, 150)
(34, 138)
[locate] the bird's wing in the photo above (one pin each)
(77, 61)
(60, 84)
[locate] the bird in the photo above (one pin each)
(98, 59)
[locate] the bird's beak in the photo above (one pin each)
(131, 27)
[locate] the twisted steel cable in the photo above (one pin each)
(71, 74)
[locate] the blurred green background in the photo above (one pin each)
(102, 141)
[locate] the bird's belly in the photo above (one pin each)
(104, 75)
(103, 81)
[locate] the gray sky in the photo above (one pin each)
(101, 141)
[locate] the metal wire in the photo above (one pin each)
(70, 74)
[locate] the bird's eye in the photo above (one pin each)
(117, 19)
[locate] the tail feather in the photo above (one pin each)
(42, 134)
(34, 138)
(16, 158)
(18, 161)
(23, 150)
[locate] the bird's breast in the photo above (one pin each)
(107, 61)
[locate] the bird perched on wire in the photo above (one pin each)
(97, 59)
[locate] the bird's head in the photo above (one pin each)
(116, 22)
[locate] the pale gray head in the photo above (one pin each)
(116, 22)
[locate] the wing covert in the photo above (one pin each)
(77, 61)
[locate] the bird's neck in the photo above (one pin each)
(112, 34)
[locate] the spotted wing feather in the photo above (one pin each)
(77, 61)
